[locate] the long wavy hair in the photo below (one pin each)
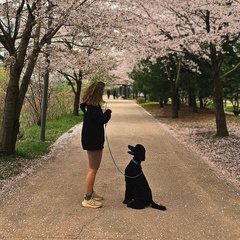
(94, 93)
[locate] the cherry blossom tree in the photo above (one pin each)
(82, 64)
(26, 29)
(24, 32)
(85, 56)
(199, 30)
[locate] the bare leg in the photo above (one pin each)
(90, 179)
(94, 158)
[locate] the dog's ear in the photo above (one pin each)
(139, 156)
(139, 153)
(139, 148)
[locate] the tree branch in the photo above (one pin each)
(233, 69)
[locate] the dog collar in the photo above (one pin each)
(137, 163)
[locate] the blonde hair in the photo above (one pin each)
(93, 94)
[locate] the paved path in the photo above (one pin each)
(47, 204)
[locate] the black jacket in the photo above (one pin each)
(93, 126)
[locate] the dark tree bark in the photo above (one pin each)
(217, 94)
(172, 68)
(201, 102)
(175, 100)
(193, 99)
(218, 107)
(161, 104)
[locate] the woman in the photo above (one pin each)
(93, 138)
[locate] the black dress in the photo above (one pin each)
(93, 126)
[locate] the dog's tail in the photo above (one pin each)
(157, 206)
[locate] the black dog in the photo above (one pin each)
(138, 194)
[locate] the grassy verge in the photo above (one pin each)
(31, 147)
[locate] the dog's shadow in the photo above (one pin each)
(138, 194)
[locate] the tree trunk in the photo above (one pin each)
(10, 123)
(77, 92)
(190, 96)
(201, 102)
(193, 100)
(175, 100)
(13, 105)
(77, 99)
(161, 105)
(194, 105)
(217, 94)
(218, 107)
(174, 80)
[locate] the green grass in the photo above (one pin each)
(229, 108)
(148, 103)
(31, 147)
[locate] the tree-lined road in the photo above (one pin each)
(47, 204)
